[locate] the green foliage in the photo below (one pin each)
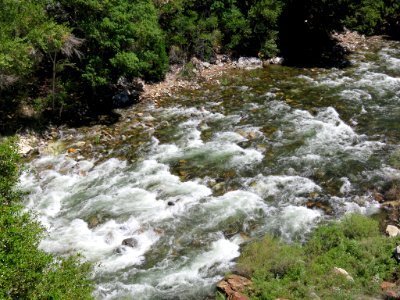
(8, 172)
(187, 72)
(264, 16)
(25, 271)
(122, 38)
(373, 16)
(299, 272)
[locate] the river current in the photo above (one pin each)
(195, 176)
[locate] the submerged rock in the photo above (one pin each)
(93, 222)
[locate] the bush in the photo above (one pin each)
(298, 272)
(25, 271)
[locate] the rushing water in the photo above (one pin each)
(274, 150)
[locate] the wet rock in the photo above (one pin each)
(170, 203)
(392, 231)
(120, 250)
(219, 187)
(130, 242)
(71, 150)
(312, 204)
(342, 272)
(126, 92)
(93, 222)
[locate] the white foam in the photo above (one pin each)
(282, 188)
(233, 203)
(292, 221)
(346, 186)
(221, 254)
(356, 95)
(325, 135)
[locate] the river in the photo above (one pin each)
(195, 176)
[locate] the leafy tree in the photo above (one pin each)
(122, 39)
(264, 16)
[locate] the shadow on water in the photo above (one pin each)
(24, 118)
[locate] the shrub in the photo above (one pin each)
(25, 271)
(300, 272)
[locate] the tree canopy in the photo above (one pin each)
(68, 55)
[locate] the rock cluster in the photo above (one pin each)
(350, 40)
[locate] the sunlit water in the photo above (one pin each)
(275, 150)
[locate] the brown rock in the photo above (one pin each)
(391, 204)
(378, 197)
(392, 294)
(224, 286)
(238, 283)
(93, 222)
(237, 296)
(385, 285)
(233, 285)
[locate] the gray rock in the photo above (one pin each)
(342, 272)
(130, 242)
(249, 63)
(392, 231)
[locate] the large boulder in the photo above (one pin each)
(392, 231)
(126, 93)
(130, 242)
(233, 286)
